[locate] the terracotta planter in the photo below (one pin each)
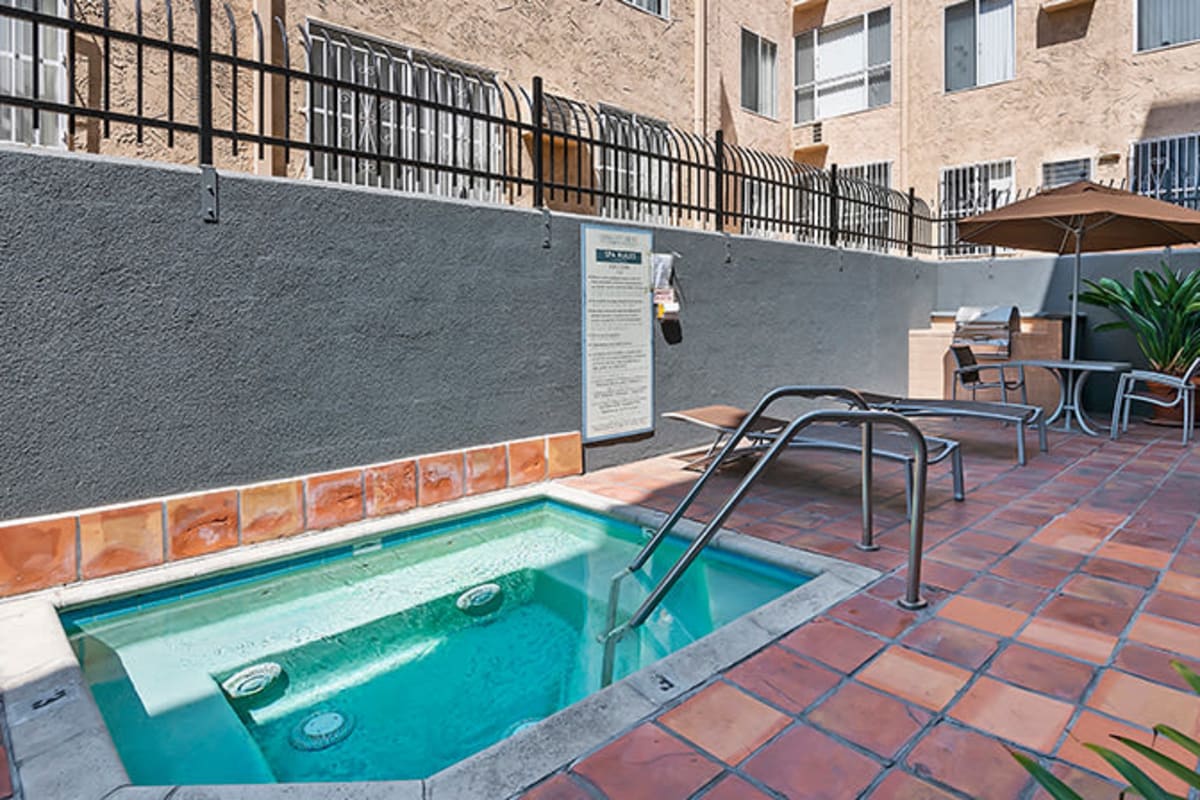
(1170, 417)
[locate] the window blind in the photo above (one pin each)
(1060, 173)
(979, 43)
(995, 58)
(1162, 23)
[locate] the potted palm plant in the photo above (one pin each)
(1162, 310)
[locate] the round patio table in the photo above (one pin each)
(1071, 376)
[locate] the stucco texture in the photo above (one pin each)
(768, 19)
(1080, 90)
(316, 327)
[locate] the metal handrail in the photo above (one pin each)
(849, 396)
(912, 597)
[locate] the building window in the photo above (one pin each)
(16, 75)
(980, 43)
(866, 219)
(759, 74)
(845, 67)
(1168, 169)
(367, 124)
(635, 174)
(1061, 173)
(969, 190)
(761, 209)
(1162, 23)
(878, 173)
(656, 7)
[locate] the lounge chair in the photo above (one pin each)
(1019, 415)
(889, 445)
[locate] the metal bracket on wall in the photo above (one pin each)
(208, 194)
(545, 228)
(728, 248)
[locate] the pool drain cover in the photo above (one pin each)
(251, 681)
(481, 600)
(321, 729)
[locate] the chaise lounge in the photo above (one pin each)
(1022, 416)
(886, 444)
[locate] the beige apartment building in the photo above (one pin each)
(967, 101)
(990, 96)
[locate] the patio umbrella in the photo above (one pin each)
(1087, 218)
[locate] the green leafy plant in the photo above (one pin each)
(1140, 783)
(1162, 309)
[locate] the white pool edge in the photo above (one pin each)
(62, 749)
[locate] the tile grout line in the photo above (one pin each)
(1056, 591)
(166, 548)
(1109, 663)
(1053, 592)
(304, 503)
(653, 717)
(362, 491)
(802, 719)
(78, 549)
(733, 769)
(1006, 642)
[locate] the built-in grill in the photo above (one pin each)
(987, 331)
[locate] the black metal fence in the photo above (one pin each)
(335, 106)
(961, 200)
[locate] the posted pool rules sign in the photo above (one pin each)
(618, 340)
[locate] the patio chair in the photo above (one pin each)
(969, 374)
(1009, 413)
(1185, 395)
(888, 445)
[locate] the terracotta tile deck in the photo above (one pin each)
(1058, 593)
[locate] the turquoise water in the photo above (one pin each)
(375, 634)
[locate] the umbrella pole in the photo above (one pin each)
(1075, 291)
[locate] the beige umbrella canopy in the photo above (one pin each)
(1083, 217)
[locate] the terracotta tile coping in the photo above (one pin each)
(57, 549)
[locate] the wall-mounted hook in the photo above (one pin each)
(209, 208)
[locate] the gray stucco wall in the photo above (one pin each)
(1043, 284)
(315, 327)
